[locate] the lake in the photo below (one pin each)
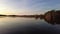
(17, 25)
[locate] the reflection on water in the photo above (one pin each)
(9, 25)
(56, 21)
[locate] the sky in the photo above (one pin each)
(25, 7)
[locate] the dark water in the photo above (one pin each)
(27, 26)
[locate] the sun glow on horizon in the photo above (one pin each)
(9, 10)
(5, 10)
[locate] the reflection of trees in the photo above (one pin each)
(52, 16)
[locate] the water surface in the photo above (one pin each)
(10, 25)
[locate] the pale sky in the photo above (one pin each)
(28, 6)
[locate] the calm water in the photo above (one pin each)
(9, 25)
